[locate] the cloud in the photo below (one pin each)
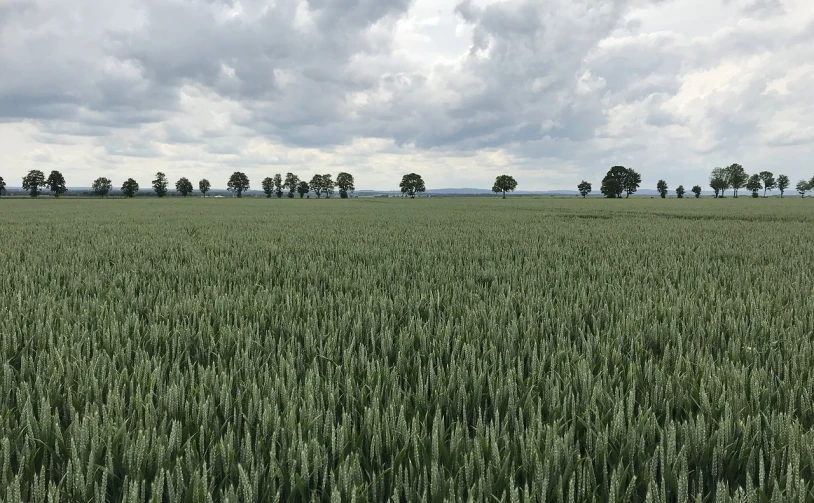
(458, 90)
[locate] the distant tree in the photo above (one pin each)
(412, 184)
(737, 177)
(33, 182)
(268, 186)
(783, 183)
(56, 183)
(278, 185)
(101, 186)
(184, 186)
(802, 187)
(631, 182)
(614, 182)
(344, 182)
(328, 185)
(160, 184)
(696, 190)
(719, 181)
(753, 184)
(504, 183)
(2, 186)
(291, 183)
(316, 185)
(303, 188)
(238, 183)
(129, 188)
(680, 190)
(204, 186)
(584, 188)
(662, 188)
(769, 183)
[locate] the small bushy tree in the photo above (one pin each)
(291, 183)
(268, 186)
(238, 183)
(56, 183)
(184, 186)
(753, 184)
(802, 187)
(769, 183)
(661, 186)
(130, 188)
(680, 192)
(503, 184)
(584, 188)
(204, 186)
(303, 188)
(278, 185)
(33, 182)
(160, 184)
(783, 183)
(412, 184)
(345, 184)
(696, 190)
(101, 186)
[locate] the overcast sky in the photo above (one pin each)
(549, 91)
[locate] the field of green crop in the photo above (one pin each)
(407, 350)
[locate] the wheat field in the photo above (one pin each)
(460, 349)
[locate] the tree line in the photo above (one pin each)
(618, 180)
(621, 180)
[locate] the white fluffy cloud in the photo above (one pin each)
(460, 91)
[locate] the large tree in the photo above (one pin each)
(2, 186)
(303, 188)
(184, 186)
(101, 186)
(661, 186)
(160, 184)
(696, 189)
(412, 184)
(504, 183)
(238, 183)
(33, 182)
(753, 184)
(719, 181)
(328, 185)
(204, 186)
(278, 185)
(584, 188)
(344, 182)
(56, 183)
(268, 186)
(783, 183)
(631, 182)
(614, 182)
(802, 187)
(680, 190)
(316, 185)
(737, 177)
(130, 188)
(769, 183)
(291, 183)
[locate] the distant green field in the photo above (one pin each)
(532, 349)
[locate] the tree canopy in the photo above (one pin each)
(614, 182)
(680, 190)
(661, 186)
(33, 182)
(291, 183)
(696, 189)
(783, 183)
(268, 186)
(303, 188)
(769, 183)
(130, 187)
(737, 177)
(238, 183)
(719, 181)
(204, 186)
(184, 186)
(412, 184)
(56, 183)
(2, 185)
(316, 185)
(345, 184)
(584, 188)
(160, 184)
(753, 184)
(278, 185)
(101, 186)
(504, 183)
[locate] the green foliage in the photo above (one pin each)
(238, 183)
(696, 189)
(268, 186)
(380, 364)
(33, 182)
(303, 188)
(719, 181)
(412, 184)
(661, 186)
(754, 185)
(292, 181)
(503, 184)
(803, 187)
(783, 183)
(769, 183)
(278, 185)
(736, 178)
(130, 188)
(631, 181)
(56, 183)
(584, 188)
(345, 184)
(2, 186)
(101, 186)
(614, 182)
(680, 191)
(328, 185)
(184, 186)
(316, 185)
(204, 186)
(160, 184)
